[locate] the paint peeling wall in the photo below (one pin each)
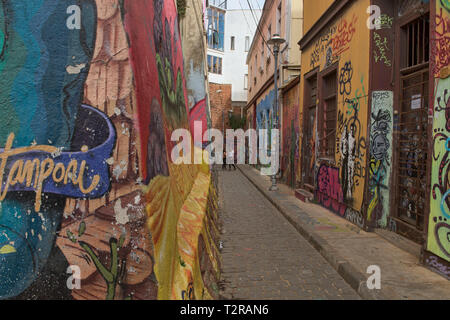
(340, 181)
(93, 195)
(438, 242)
(193, 41)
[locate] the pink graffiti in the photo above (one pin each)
(329, 192)
(442, 42)
(198, 114)
(344, 35)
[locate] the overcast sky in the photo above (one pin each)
(256, 4)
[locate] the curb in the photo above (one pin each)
(345, 269)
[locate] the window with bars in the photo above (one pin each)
(328, 114)
(416, 38)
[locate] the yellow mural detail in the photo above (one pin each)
(7, 249)
(176, 220)
(375, 164)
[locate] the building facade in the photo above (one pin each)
(373, 117)
(283, 17)
(230, 29)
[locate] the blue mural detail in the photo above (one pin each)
(96, 133)
(264, 111)
(44, 66)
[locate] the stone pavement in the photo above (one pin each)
(263, 256)
(350, 250)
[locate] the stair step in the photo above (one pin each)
(304, 195)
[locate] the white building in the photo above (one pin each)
(231, 26)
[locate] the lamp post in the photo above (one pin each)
(276, 41)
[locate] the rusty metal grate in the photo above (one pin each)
(412, 148)
(418, 41)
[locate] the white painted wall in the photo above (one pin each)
(240, 24)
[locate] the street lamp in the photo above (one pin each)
(276, 41)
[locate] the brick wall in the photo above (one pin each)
(220, 101)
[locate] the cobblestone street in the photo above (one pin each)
(264, 257)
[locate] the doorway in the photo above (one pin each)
(309, 130)
(411, 156)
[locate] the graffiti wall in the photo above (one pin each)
(92, 206)
(438, 241)
(290, 165)
(380, 165)
(194, 53)
(340, 181)
(264, 109)
(265, 117)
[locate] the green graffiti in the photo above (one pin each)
(446, 4)
(112, 274)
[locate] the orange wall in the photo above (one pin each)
(350, 46)
(313, 11)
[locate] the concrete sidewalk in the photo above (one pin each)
(351, 250)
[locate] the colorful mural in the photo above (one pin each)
(264, 118)
(89, 194)
(438, 241)
(194, 53)
(382, 116)
(264, 111)
(439, 221)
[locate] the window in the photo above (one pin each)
(232, 43)
(246, 82)
(328, 114)
(269, 32)
(214, 64)
(216, 28)
(279, 19)
(218, 3)
(209, 63)
(247, 43)
(262, 55)
(416, 34)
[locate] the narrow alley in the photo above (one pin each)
(264, 257)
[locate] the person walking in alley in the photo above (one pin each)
(231, 160)
(224, 164)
